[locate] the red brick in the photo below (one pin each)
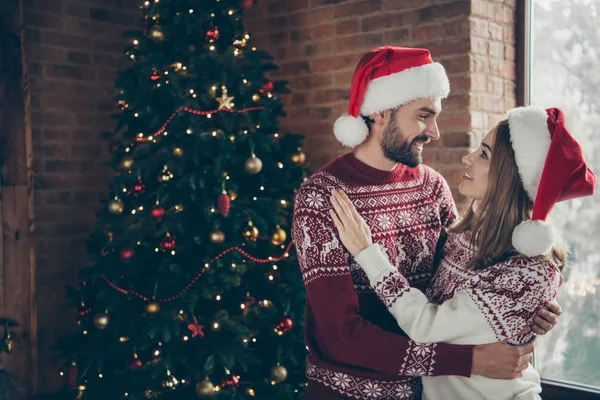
(454, 122)
(348, 27)
(358, 8)
(41, 53)
(323, 31)
(295, 68)
(456, 102)
(69, 72)
(457, 139)
(425, 33)
(42, 20)
(333, 63)
(53, 197)
(445, 11)
(329, 95)
(397, 36)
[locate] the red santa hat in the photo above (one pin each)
(552, 168)
(385, 78)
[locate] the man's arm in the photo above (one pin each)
(344, 337)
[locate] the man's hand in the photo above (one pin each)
(546, 318)
(500, 360)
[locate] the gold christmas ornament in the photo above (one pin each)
(116, 207)
(279, 236)
(254, 165)
(101, 321)
(156, 34)
(251, 233)
(299, 158)
(217, 236)
(255, 97)
(278, 374)
(127, 162)
(233, 195)
(177, 151)
(7, 343)
(205, 389)
(152, 307)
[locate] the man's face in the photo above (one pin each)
(408, 128)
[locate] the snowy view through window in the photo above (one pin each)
(565, 59)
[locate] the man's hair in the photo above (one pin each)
(368, 121)
(504, 206)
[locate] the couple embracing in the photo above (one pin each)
(406, 299)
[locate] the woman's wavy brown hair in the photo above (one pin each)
(504, 206)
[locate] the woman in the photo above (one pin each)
(500, 262)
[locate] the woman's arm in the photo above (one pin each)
(477, 315)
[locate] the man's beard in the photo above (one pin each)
(399, 150)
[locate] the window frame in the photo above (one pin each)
(552, 389)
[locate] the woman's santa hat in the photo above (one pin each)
(552, 169)
(385, 78)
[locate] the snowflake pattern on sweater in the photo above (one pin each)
(502, 292)
(405, 218)
(355, 346)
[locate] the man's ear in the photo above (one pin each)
(379, 118)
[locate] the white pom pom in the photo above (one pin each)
(534, 238)
(350, 131)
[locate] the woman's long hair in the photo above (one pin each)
(504, 206)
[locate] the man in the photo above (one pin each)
(356, 349)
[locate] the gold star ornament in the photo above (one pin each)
(225, 100)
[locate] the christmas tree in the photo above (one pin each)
(194, 291)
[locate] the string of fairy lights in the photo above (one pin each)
(204, 389)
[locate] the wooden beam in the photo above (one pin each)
(17, 287)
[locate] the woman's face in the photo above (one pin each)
(477, 168)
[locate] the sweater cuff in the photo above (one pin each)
(374, 262)
(453, 359)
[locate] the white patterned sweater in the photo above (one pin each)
(465, 306)
(356, 347)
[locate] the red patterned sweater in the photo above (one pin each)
(356, 347)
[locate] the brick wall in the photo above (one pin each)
(317, 44)
(73, 48)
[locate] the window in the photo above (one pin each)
(562, 53)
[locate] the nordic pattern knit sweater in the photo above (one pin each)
(355, 345)
(467, 306)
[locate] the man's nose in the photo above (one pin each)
(433, 132)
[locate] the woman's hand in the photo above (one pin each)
(354, 231)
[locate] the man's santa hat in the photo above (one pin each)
(385, 78)
(552, 169)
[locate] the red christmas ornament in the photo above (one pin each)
(212, 35)
(230, 382)
(196, 329)
(168, 243)
(72, 374)
(246, 4)
(287, 323)
(267, 87)
(155, 76)
(284, 326)
(126, 254)
(224, 204)
(134, 364)
(158, 212)
(138, 187)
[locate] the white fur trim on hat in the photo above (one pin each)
(534, 238)
(391, 91)
(531, 140)
(350, 131)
